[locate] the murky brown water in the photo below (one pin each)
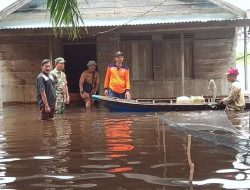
(101, 150)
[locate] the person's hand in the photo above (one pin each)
(221, 101)
(106, 92)
(81, 94)
(84, 95)
(47, 109)
(93, 91)
(127, 95)
(67, 100)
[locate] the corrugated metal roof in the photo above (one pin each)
(8, 7)
(124, 12)
(111, 22)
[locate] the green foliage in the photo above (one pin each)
(240, 58)
(65, 16)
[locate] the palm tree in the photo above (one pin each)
(65, 15)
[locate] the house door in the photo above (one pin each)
(77, 57)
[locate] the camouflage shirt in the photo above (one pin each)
(60, 80)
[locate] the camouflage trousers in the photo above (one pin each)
(60, 102)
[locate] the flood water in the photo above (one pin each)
(97, 149)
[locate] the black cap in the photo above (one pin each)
(118, 53)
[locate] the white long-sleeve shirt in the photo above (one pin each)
(235, 99)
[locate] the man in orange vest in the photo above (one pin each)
(117, 82)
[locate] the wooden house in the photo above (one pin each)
(172, 47)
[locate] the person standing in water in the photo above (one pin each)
(117, 82)
(46, 94)
(62, 92)
(89, 83)
(235, 100)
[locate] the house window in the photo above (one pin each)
(138, 51)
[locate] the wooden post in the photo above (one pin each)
(249, 121)
(164, 149)
(157, 57)
(190, 163)
(1, 93)
(158, 130)
(245, 58)
(51, 52)
(182, 65)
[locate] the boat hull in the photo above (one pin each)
(123, 105)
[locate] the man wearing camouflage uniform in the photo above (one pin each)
(62, 93)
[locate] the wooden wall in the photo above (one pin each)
(20, 59)
(171, 60)
(172, 88)
(214, 52)
(154, 62)
(153, 59)
(139, 57)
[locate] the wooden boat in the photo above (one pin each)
(152, 105)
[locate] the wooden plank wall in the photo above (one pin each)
(106, 46)
(154, 61)
(140, 61)
(208, 54)
(20, 59)
(172, 88)
(171, 60)
(214, 53)
(155, 73)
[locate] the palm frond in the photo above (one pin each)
(65, 15)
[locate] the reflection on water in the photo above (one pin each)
(97, 149)
(119, 140)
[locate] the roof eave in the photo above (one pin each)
(12, 8)
(170, 27)
(230, 7)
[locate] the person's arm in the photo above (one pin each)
(41, 90)
(81, 81)
(67, 94)
(127, 81)
(106, 81)
(234, 92)
(45, 101)
(96, 85)
(66, 90)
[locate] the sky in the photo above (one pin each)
(242, 4)
(5, 3)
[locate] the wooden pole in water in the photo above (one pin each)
(164, 149)
(51, 52)
(190, 163)
(245, 58)
(182, 65)
(163, 139)
(158, 130)
(249, 121)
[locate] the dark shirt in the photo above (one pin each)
(45, 82)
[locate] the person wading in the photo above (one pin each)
(235, 100)
(46, 95)
(62, 93)
(89, 83)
